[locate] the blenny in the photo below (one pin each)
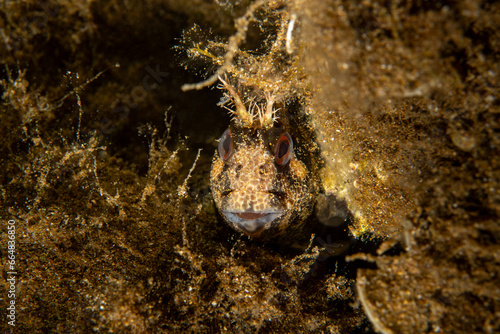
(263, 176)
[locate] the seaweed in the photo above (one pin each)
(105, 184)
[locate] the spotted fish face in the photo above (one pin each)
(259, 186)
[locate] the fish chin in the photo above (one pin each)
(252, 222)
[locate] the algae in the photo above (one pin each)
(116, 230)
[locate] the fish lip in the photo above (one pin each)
(252, 222)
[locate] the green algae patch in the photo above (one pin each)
(102, 172)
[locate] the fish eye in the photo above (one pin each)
(283, 149)
(226, 145)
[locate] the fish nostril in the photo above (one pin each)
(262, 169)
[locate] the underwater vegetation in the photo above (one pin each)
(111, 118)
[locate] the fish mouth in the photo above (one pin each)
(251, 222)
